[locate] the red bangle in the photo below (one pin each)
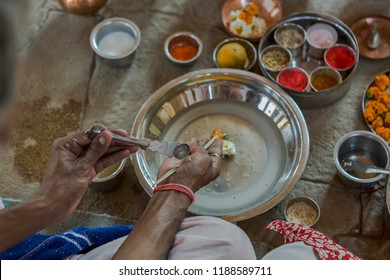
(176, 187)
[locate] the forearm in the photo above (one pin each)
(154, 233)
(20, 221)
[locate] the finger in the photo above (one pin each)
(216, 148)
(167, 165)
(113, 149)
(120, 132)
(202, 141)
(98, 148)
(109, 160)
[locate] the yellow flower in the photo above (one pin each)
(372, 92)
(382, 81)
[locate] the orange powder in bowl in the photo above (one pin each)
(183, 51)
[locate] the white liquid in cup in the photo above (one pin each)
(116, 43)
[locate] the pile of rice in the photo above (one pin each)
(239, 27)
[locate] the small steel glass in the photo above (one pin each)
(111, 25)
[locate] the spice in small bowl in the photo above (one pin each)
(110, 177)
(291, 36)
(320, 37)
(340, 57)
(183, 48)
(294, 78)
(302, 210)
(275, 58)
(324, 78)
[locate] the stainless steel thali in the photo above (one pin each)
(312, 99)
(265, 123)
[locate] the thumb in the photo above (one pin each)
(98, 147)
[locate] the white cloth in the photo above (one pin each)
(1, 204)
(292, 251)
(197, 238)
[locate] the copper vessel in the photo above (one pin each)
(82, 7)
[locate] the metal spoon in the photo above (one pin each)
(170, 149)
(352, 165)
(374, 40)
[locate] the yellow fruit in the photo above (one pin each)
(232, 55)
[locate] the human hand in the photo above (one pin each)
(196, 170)
(75, 161)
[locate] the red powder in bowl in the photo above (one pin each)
(340, 57)
(293, 78)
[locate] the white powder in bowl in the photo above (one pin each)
(301, 213)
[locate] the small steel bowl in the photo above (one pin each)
(179, 38)
(287, 72)
(366, 148)
(110, 182)
(250, 51)
(297, 50)
(315, 50)
(308, 201)
(328, 56)
(270, 11)
(272, 71)
(115, 25)
(325, 71)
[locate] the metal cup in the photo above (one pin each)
(109, 182)
(111, 25)
(289, 29)
(362, 146)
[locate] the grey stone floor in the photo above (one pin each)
(57, 61)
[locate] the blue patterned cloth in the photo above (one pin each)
(61, 246)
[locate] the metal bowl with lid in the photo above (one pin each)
(266, 125)
(307, 61)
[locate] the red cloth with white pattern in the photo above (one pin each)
(325, 247)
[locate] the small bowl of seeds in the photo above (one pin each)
(275, 58)
(302, 210)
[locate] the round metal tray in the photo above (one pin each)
(312, 99)
(362, 30)
(267, 126)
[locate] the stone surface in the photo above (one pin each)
(373, 213)
(57, 61)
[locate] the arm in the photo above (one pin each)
(155, 231)
(74, 162)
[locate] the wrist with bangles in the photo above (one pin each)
(176, 187)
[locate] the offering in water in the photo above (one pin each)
(228, 147)
(293, 78)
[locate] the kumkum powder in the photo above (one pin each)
(293, 78)
(340, 57)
